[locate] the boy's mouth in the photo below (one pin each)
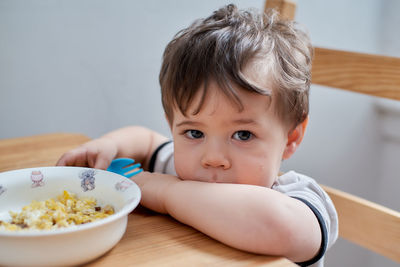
(208, 176)
(212, 177)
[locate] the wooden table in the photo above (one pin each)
(151, 238)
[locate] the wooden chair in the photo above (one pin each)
(362, 222)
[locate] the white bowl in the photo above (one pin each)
(74, 244)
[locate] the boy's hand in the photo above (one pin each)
(154, 187)
(97, 153)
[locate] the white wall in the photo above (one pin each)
(91, 66)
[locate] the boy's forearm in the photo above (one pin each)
(136, 142)
(251, 218)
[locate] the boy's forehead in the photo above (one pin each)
(209, 101)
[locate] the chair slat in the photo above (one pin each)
(285, 8)
(367, 224)
(363, 73)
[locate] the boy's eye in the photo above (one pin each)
(194, 134)
(242, 135)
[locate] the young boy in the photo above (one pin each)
(235, 93)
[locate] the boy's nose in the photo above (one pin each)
(215, 157)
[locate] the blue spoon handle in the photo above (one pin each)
(124, 166)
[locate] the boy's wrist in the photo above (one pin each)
(167, 191)
(156, 189)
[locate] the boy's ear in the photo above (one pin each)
(294, 139)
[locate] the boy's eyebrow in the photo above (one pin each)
(195, 123)
(244, 121)
(188, 123)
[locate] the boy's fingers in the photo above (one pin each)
(105, 155)
(76, 157)
(81, 157)
(102, 162)
(91, 155)
(95, 154)
(66, 160)
(61, 161)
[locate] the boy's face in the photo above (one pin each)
(224, 145)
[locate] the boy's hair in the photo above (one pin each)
(221, 46)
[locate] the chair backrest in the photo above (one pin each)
(362, 222)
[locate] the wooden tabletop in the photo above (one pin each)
(150, 238)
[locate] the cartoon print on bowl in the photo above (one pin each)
(87, 177)
(2, 189)
(123, 185)
(37, 179)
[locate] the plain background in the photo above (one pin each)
(91, 66)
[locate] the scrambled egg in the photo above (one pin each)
(64, 211)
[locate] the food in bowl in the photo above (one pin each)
(75, 244)
(65, 210)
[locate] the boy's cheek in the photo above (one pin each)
(182, 172)
(184, 165)
(187, 169)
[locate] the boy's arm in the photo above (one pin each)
(136, 142)
(250, 218)
(133, 142)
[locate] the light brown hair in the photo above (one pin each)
(220, 47)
